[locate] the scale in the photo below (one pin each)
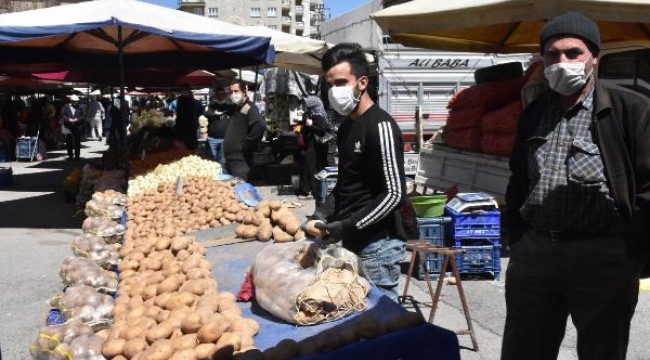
(472, 203)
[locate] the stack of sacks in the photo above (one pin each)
(463, 129)
(498, 129)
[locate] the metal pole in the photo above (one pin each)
(124, 111)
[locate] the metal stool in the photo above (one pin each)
(419, 248)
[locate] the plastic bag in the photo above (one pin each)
(291, 282)
(72, 340)
(97, 209)
(110, 197)
(84, 271)
(108, 229)
(85, 304)
(95, 248)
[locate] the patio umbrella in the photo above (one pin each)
(507, 26)
(159, 78)
(293, 52)
(92, 33)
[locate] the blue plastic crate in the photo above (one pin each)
(484, 224)
(325, 187)
(432, 230)
(480, 259)
(26, 148)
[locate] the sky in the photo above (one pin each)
(336, 7)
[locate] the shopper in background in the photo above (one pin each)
(187, 121)
(363, 209)
(578, 204)
(72, 118)
(96, 116)
(316, 135)
(244, 132)
(218, 114)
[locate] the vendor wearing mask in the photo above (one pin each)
(244, 132)
(218, 114)
(362, 210)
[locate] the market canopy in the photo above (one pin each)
(158, 78)
(506, 26)
(87, 35)
(293, 52)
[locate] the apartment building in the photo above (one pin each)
(296, 17)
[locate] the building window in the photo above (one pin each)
(198, 11)
(271, 12)
(273, 27)
(256, 12)
(213, 12)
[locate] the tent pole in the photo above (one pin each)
(123, 107)
(257, 69)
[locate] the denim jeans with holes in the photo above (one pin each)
(379, 262)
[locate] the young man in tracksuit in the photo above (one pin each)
(362, 210)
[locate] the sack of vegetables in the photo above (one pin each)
(318, 285)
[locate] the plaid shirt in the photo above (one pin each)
(568, 190)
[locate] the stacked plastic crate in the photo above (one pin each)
(475, 227)
(432, 230)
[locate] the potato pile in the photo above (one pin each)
(168, 306)
(187, 166)
(204, 203)
(72, 340)
(271, 220)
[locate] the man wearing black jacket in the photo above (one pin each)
(578, 204)
(362, 210)
(244, 132)
(218, 114)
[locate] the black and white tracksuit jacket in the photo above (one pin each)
(370, 187)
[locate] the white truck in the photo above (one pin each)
(440, 167)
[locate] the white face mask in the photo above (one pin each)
(567, 78)
(342, 99)
(237, 99)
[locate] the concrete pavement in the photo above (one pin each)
(37, 227)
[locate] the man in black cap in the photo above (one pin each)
(578, 204)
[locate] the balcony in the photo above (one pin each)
(299, 10)
(300, 25)
(286, 4)
(286, 20)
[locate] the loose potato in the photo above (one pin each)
(187, 341)
(113, 348)
(312, 230)
(210, 332)
(228, 343)
(203, 351)
(160, 350)
(191, 323)
(168, 285)
(264, 232)
(134, 346)
(279, 236)
(160, 331)
(183, 354)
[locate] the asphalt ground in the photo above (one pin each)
(37, 227)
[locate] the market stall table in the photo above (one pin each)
(229, 264)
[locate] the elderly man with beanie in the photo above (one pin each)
(578, 204)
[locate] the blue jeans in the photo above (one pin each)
(216, 150)
(380, 260)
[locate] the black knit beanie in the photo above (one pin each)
(572, 24)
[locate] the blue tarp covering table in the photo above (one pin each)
(229, 264)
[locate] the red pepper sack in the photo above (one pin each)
(490, 95)
(499, 144)
(468, 139)
(503, 120)
(461, 119)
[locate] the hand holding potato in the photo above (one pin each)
(311, 229)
